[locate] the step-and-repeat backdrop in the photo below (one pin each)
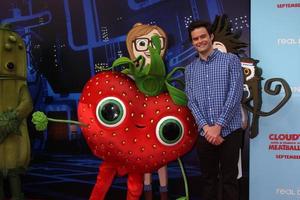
(275, 152)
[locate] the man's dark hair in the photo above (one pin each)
(199, 24)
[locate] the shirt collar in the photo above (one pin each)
(212, 55)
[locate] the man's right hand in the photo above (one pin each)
(213, 134)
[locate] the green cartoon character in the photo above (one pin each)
(15, 106)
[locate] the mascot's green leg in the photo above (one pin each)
(1, 186)
(15, 186)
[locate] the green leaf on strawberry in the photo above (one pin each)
(157, 66)
(150, 85)
(151, 79)
(178, 96)
(148, 78)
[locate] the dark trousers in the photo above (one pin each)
(219, 163)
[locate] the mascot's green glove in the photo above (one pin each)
(9, 124)
(40, 120)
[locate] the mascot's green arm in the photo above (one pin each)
(40, 120)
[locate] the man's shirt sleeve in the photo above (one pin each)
(235, 92)
(192, 102)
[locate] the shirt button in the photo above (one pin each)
(207, 75)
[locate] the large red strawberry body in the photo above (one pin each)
(133, 132)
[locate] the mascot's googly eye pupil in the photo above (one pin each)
(142, 44)
(110, 112)
(169, 131)
(246, 71)
(10, 66)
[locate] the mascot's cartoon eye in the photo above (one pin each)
(10, 66)
(247, 71)
(111, 111)
(141, 44)
(169, 130)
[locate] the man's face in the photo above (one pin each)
(140, 45)
(201, 40)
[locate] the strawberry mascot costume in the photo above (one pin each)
(136, 121)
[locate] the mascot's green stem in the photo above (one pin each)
(67, 121)
(186, 187)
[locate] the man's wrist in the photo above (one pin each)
(205, 127)
(218, 126)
